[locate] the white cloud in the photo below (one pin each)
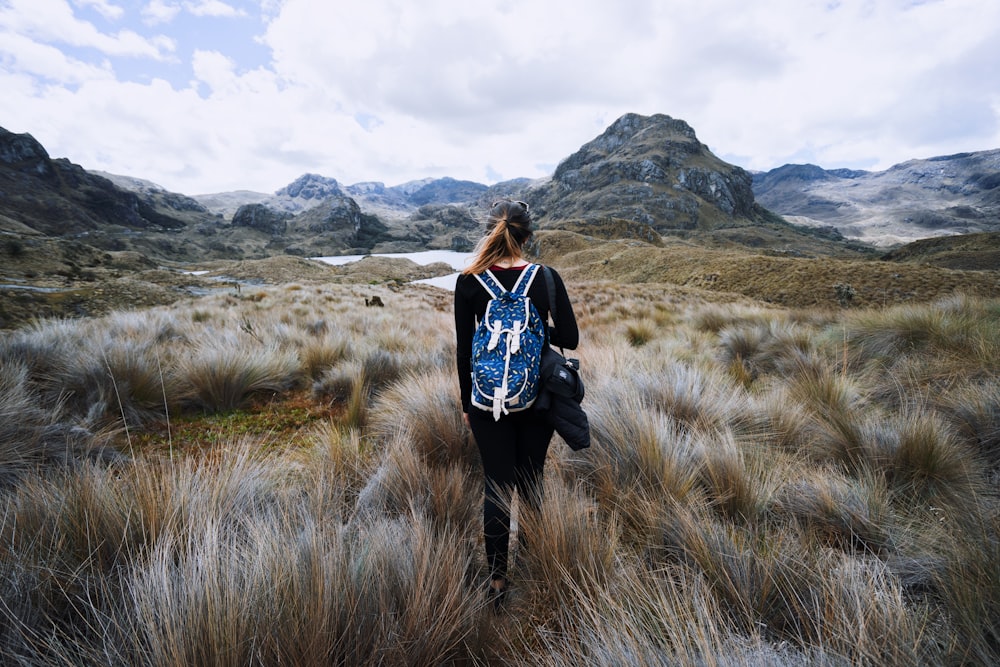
(108, 10)
(394, 91)
(53, 21)
(46, 62)
(159, 11)
(213, 68)
(213, 8)
(164, 11)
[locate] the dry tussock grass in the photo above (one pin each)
(789, 281)
(764, 486)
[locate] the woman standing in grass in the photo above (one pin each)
(513, 445)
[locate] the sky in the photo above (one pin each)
(207, 96)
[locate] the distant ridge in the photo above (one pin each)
(938, 196)
(643, 178)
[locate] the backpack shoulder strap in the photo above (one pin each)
(523, 283)
(490, 283)
(551, 285)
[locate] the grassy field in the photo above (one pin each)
(280, 476)
(783, 277)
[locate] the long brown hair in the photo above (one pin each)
(508, 228)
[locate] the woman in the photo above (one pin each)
(512, 447)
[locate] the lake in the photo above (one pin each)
(456, 260)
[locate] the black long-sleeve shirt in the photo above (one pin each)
(470, 307)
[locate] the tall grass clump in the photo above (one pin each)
(100, 373)
(23, 425)
(223, 374)
(637, 455)
(970, 590)
(840, 512)
(66, 540)
(736, 486)
(406, 481)
(568, 545)
(714, 318)
(922, 458)
(777, 587)
(120, 382)
(642, 618)
(961, 331)
(337, 465)
(643, 461)
(694, 396)
(32, 434)
(307, 593)
(761, 580)
(218, 563)
(323, 352)
(355, 384)
(973, 410)
(765, 348)
(428, 408)
(779, 422)
(837, 410)
(640, 332)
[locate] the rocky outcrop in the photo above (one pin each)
(22, 154)
(339, 224)
(651, 170)
(447, 217)
(337, 214)
(261, 218)
(154, 195)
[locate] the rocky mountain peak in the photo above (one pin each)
(631, 125)
(23, 153)
(653, 170)
(367, 188)
(311, 186)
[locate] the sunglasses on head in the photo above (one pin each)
(509, 201)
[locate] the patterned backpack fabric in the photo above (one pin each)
(507, 347)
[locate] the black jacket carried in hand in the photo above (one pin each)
(559, 395)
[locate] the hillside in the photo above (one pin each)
(940, 196)
(971, 252)
(786, 281)
(55, 197)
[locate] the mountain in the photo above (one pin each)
(650, 176)
(55, 197)
(651, 170)
(644, 177)
(940, 196)
(645, 201)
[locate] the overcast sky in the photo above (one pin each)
(205, 96)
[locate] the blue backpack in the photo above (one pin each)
(507, 347)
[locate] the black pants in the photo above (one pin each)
(513, 453)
